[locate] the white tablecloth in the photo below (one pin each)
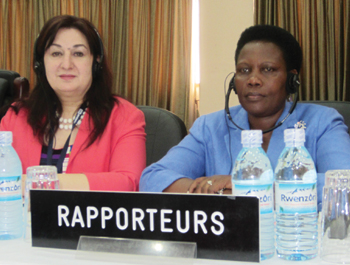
(21, 252)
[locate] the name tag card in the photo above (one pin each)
(223, 227)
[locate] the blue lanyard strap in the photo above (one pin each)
(59, 164)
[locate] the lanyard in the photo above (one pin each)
(59, 164)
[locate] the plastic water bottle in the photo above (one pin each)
(252, 175)
(296, 200)
(11, 204)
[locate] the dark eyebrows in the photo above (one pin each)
(74, 46)
(80, 45)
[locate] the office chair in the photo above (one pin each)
(343, 107)
(12, 87)
(163, 130)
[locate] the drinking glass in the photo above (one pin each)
(38, 177)
(335, 239)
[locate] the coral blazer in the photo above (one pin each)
(114, 162)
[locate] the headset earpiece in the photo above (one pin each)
(37, 67)
(232, 85)
(293, 83)
(97, 65)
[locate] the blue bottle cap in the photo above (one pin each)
(251, 137)
(294, 135)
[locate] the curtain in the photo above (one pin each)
(148, 44)
(322, 29)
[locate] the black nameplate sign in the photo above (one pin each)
(224, 227)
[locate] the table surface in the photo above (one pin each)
(21, 252)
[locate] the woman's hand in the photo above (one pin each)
(73, 181)
(215, 184)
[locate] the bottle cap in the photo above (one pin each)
(295, 135)
(5, 137)
(251, 137)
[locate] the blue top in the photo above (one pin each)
(214, 142)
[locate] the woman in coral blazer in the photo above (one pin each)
(71, 119)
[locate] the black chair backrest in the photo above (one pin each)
(7, 92)
(164, 130)
(343, 107)
(4, 87)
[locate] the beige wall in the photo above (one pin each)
(221, 23)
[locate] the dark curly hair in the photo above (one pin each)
(43, 102)
(289, 46)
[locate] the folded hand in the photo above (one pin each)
(214, 184)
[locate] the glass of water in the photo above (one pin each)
(335, 236)
(38, 177)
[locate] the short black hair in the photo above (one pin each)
(289, 46)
